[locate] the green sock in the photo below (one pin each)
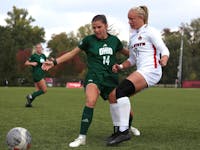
(86, 119)
(37, 93)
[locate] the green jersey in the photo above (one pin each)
(101, 56)
(37, 71)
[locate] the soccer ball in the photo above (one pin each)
(18, 138)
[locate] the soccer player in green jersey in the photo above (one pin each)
(100, 48)
(36, 60)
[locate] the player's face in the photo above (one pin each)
(39, 48)
(100, 29)
(134, 20)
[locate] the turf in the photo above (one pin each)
(168, 119)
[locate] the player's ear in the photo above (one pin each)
(106, 26)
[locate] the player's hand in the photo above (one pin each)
(34, 63)
(116, 68)
(163, 61)
(47, 65)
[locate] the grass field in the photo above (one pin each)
(168, 118)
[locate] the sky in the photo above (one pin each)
(57, 16)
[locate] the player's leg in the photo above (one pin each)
(134, 83)
(121, 123)
(41, 88)
(92, 93)
(114, 116)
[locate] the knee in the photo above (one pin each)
(126, 88)
(90, 103)
(112, 97)
(44, 90)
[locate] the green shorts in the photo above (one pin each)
(38, 76)
(105, 82)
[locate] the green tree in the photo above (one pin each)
(172, 41)
(192, 51)
(17, 35)
(64, 42)
(24, 34)
(61, 42)
(7, 55)
(84, 31)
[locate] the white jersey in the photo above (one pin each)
(146, 47)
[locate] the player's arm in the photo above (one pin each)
(163, 61)
(127, 63)
(29, 63)
(157, 41)
(124, 65)
(65, 57)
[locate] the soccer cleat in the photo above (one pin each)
(28, 105)
(135, 131)
(77, 142)
(29, 100)
(115, 130)
(119, 137)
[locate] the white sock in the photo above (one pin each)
(124, 108)
(114, 114)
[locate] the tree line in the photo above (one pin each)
(19, 35)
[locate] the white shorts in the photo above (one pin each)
(152, 76)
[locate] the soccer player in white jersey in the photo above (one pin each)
(149, 53)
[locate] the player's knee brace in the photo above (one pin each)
(126, 88)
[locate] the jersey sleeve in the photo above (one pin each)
(31, 58)
(83, 44)
(157, 41)
(119, 45)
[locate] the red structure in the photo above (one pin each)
(74, 85)
(191, 84)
